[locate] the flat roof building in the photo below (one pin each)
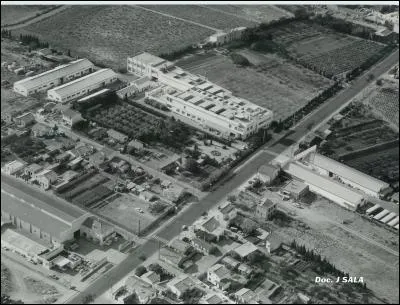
(202, 103)
(82, 86)
(55, 77)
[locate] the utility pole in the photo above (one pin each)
(139, 228)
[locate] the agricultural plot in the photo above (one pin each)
(386, 101)
(203, 15)
(323, 50)
(257, 13)
(125, 118)
(275, 83)
(109, 34)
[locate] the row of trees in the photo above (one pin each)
(6, 33)
(178, 53)
(33, 41)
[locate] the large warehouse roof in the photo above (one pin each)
(348, 173)
(83, 82)
(310, 177)
(38, 217)
(58, 72)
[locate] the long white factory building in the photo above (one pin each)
(207, 105)
(52, 78)
(82, 86)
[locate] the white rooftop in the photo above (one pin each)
(58, 72)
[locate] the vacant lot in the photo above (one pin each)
(203, 15)
(274, 83)
(11, 14)
(346, 249)
(123, 210)
(108, 34)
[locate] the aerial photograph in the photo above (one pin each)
(200, 152)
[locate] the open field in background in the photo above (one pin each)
(275, 83)
(203, 15)
(16, 13)
(109, 34)
(323, 49)
(257, 13)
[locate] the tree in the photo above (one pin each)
(239, 59)
(192, 165)
(249, 226)
(140, 270)
(87, 299)
(132, 299)
(379, 82)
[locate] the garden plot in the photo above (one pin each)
(109, 34)
(275, 84)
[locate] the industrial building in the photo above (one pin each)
(225, 37)
(330, 168)
(39, 219)
(55, 77)
(82, 86)
(326, 186)
(203, 104)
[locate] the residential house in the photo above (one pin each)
(265, 210)
(201, 245)
(296, 189)
(180, 246)
(45, 178)
(147, 196)
(144, 291)
(97, 230)
(71, 117)
(13, 167)
(244, 269)
(245, 250)
(230, 262)
(24, 120)
(246, 296)
(267, 173)
(32, 169)
(211, 299)
(63, 157)
(39, 130)
(180, 284)
(216, 274)
(136, 144)
(97, 158)
(213, 227)
(117, 136)
(228, 210)
(172, 257)
(85, 150)
(151, 277)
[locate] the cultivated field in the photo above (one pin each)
(274, 83)
(108, 34)
(203, 15)
(11, 14)
(323, 50)
(257, 13)
(385, 100)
